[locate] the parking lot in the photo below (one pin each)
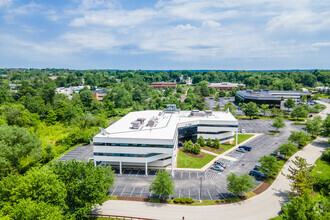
(256, 126)
(80, 153)
(187, 183)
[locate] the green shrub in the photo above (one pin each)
(217, 201)
(183, 200)
(176, 200)
(189, 200)
(223, 201)
(326, 155)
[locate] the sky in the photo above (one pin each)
(165, 34)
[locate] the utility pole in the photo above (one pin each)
(200, 190)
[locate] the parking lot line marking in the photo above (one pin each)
(181, 174)
(130, 172)
(209, 194)
(148, 172)
(123, 171)
(189, 175)
(114, 190)
(138, 173)
(132, 191)
(123, 191)
(141, 191)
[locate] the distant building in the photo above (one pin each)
(225, 86)
(151, 138)
(100, 93)
(264, 96)
(163, 85)
(70, 90)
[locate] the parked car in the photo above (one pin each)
(256, 167)
(246, 148)
(217, 168)
(240, 150)
(278, 156)
(220, 163)
(257, 173)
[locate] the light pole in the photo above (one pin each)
(200, 190)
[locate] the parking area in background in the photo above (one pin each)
(80, 153)
(255, 126)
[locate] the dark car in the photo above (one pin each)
(220, 163)
(278, 156)
(257, 173)
(247, 148)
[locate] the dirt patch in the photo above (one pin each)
(262, 188)
(200, 155)
(213, 150)
(137, 199)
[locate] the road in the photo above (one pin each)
(263, 206)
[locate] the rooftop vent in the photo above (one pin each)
(141, 120)
(208, 112)
(152, 122)
(197, 113)
(102, 131)
(136, 124)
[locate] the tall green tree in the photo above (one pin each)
(325, 128)
(19, 150)
(278, 123)
(239, 184)
(162, 184)
(299, 137)
(232, 108)
(313, 126)
(299, 111)
(86, 185)
(289, 103)
(300, 176)
(250, 109)
(264, 108)
(287, 148)
(201, 141)
(269, 165)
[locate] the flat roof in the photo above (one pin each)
(268, 94)
(225, 84)
(166, 126)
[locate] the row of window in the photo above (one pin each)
(132, 145)
(124, 155)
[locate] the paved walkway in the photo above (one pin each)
(263, 206)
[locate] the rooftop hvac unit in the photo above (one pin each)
(141, 120)
(102, 131)
(197, 113)
(136, 124)
(208, 112)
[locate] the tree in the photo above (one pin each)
(196, 149)
(30, 210)
(325, 128)
(209, 142)
(19, 149)
(201, 141)
(299, 137)
(303, 98)
(217, 107)
(222, 93)
(250, 109)
(162, 184)
(86, 97)
(216, 143)
(287, 148)
(239, 184)
(300, 176)
(188, 146)
(306, 207)
(232, 108)
(299, 111)
(264, 108)
(313, 126)
(289, 103)
(276, 112)
(278, 123)
(86, 185)
(269, 165)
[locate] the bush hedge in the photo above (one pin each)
(183, 200)
(176, 200)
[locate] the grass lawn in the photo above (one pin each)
(241, 138)
(322, 168)
(185, 161)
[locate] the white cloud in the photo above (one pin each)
(211, 24)
(321, 44)
(4, 3)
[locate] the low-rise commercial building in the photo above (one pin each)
(271, 97)
(151, 138)
(225, 86)
(100, 93)
(163, 85)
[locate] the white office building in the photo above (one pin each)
(151, 138)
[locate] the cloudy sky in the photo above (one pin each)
(165, 34)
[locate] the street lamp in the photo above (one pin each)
(200, 190)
